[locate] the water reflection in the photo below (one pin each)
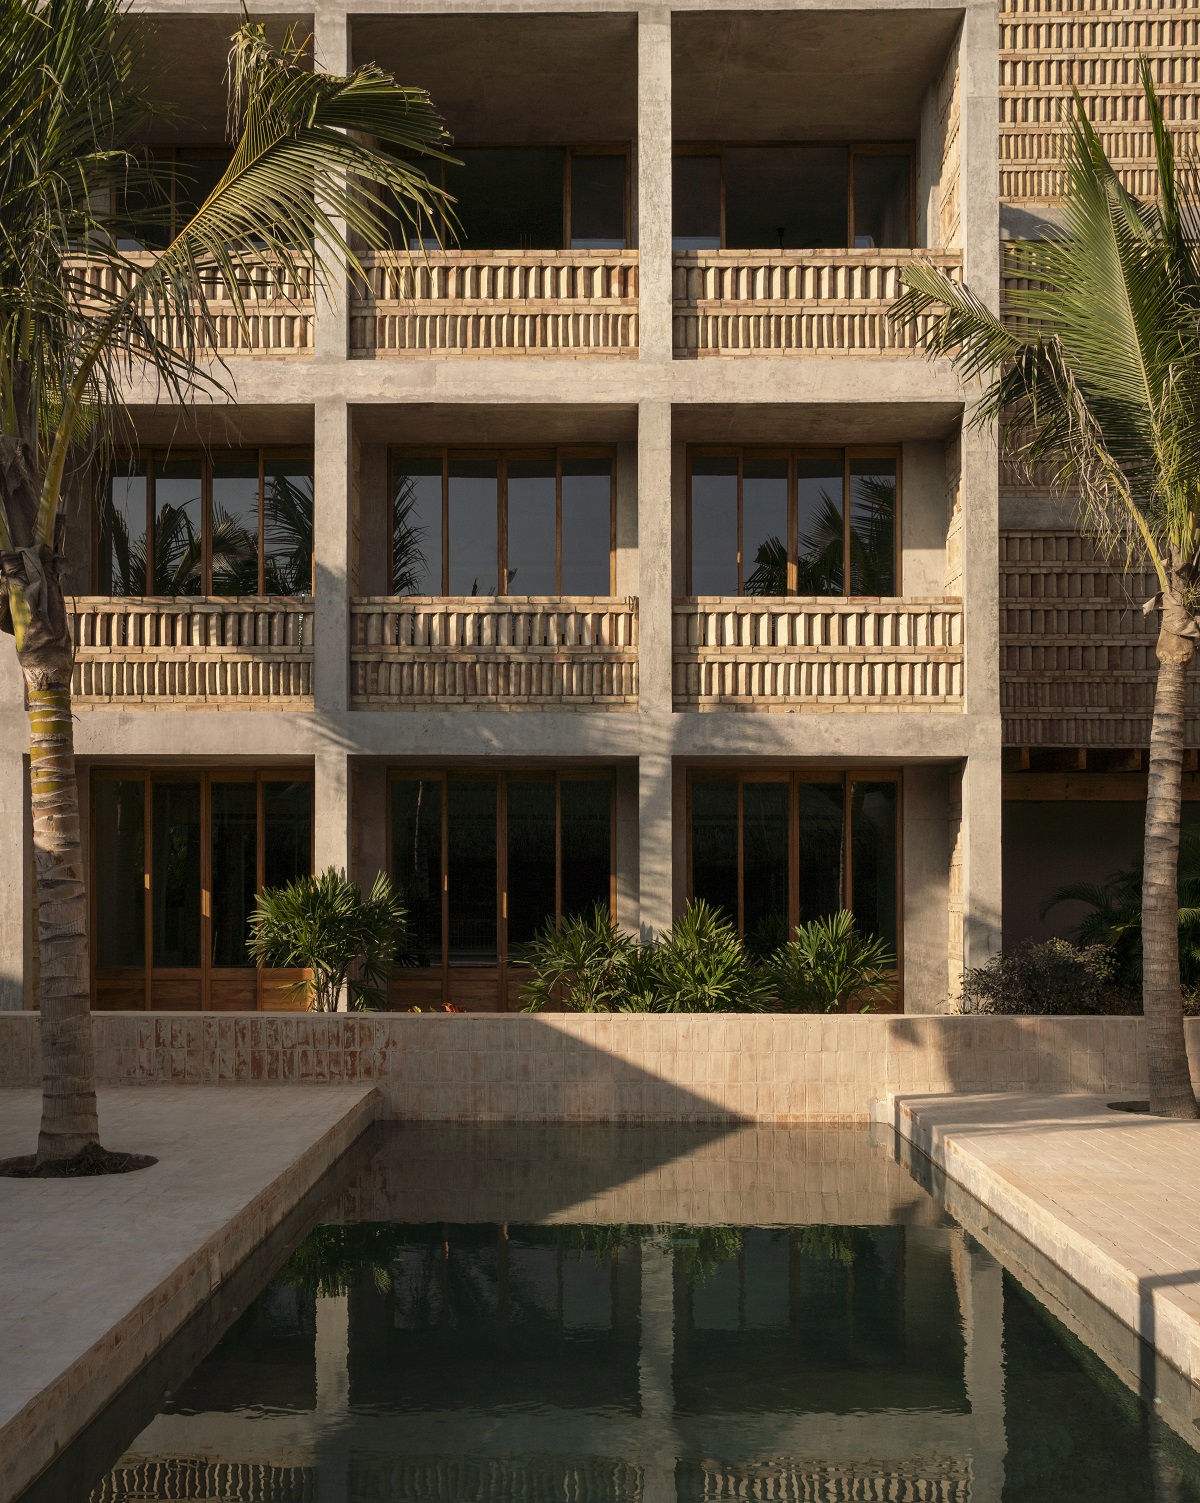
(689, 1317)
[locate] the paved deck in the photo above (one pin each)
(99, 1273)
(1110, 1198)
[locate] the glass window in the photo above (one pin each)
(287, 831)
(234, 847)
(764, 865)
(715, 844)
(872, 526)
(508, 197)
(714, 525)
(417, 527)
(765, 526)
(586, 843)
(786, 197)
(235, 525)
(178, 505)
(417, 865)
(873, 810)
(820, 544)
(175, 875)
(474, 493)
(696, 203)
(821, 815)
(532, 527)
(120, 872)
(287, 525)
(123, 545)
(532, 857)
(586, 526)
(471, 870)
(198, 170)
(597, 202)
(882, 215)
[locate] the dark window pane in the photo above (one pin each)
(234, 869)
(586, 844)
(120, 867)
(586, 526)
(417, 527)
(123, 542)
(177, 527)
(198, 170)
(765, 865)
(881, 207)
(142, 203)
(696, 203)
(471, 861)
(764, 526)
(532, 527)
(786, 197)
(714, 526)
(509, 197)
(288, 525)
(474, 509)
(873, 810)
(417, 865)
(531, 859)
(819, 543)
(175, 874)
(714, 845)
(872, 526)
(287, 831)
(597, 202)
(821, 814)
(235, 525)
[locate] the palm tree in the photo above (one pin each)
(1096, 375)
(319, 160)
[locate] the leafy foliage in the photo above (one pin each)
(332, 1259)
(700, 966)
(323, 924)
(1049, 978)
(828, 963)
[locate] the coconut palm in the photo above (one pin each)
(1096, 374)
(319, 161)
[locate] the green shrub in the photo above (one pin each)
(828, 963)
(588, 964)
(700, 966)
(324, 925)
(1049, 978)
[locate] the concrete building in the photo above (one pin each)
(647, 559)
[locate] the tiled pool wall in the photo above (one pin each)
(603, 1067)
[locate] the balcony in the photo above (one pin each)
(508, 652)
(241, 654)
(788, 654)
(830, 302)
(497, 302)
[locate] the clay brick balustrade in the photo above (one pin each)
(509, 652)
(497, 303)
(775, 302)
(780, 654)
(246, 653)
(1077, 661)
(278, 310)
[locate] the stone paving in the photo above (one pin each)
(1113, 1199)
(99, 1273)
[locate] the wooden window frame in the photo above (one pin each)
(447, 453)
(206, 776)
(854, 149)
(793, 454)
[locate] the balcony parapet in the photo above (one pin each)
(790, 653)
(507, 652)
(278, 309)
(246, 653)
(831, 302)
(562, 303)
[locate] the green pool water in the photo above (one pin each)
(573, 1357)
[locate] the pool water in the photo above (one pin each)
(575, 1357)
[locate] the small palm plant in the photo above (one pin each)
(587, 964)
(325, 926)
(701, 966)
(829, 963)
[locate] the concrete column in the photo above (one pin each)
(654, 666)
(981, 852)
(331, 555)
(331, 796)
(979, 145)
(657, 1447)
(14, 893)
(333, 1398)
(654, 182)
(331, 335)
(980, 1281)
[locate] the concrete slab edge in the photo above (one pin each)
(62, 1410)
(1151, 1315)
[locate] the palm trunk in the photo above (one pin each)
(1171, 1093)
(68, 1071)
